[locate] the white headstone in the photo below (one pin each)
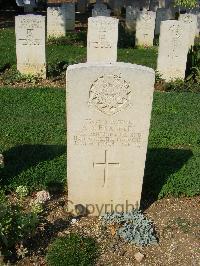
(145, 26)
(173, 49)
(56, 21)
(102, 39)
(131, 17)
(30, 44)
(107, 135)
(162, 14)
(191, 21)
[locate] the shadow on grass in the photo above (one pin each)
(160, 164)
(21, 158)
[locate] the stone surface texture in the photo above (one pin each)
(102, 39)
(173, 49)
(30, 45)
(145, 26)
(108, 119)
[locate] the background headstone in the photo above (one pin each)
(69, 9)
(196, 11)
(30, 44)
(191, 21)
(107, 134)
(145, 26)
(131, 17)
(56, 21)
(100, 10)
(173, 49)
(154, 5)
(162, 14)
(102, 39)
(117, 7)
(82, 6)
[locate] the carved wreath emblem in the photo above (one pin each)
(110, 94)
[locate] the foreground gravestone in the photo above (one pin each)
(102, 39)
(173, 49)
(56, 21)
(131, 17)
(162, 14)
(145, 26)
(107, 135)
(191, 21)
(30, 44)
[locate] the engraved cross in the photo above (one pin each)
(106, 165)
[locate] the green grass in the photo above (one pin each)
(7, 48)
(33, 128)
(140, 56)
(33, 137)
(33, 141)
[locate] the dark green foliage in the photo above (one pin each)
(126, 39)
(72, 250)
(78, 38)
(193, 65)
(189, 85)
(15, 224)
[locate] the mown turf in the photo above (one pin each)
(33, 141)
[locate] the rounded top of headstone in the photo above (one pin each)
(114, 65)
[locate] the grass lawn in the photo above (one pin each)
(33, 128)
(33, 141)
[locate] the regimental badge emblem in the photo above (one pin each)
(110, 94)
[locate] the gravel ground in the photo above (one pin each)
(176, 222)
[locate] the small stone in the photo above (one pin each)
(42, 196)
(139, 256)
(73, 221)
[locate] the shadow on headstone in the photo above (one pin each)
(21, 158)
(160, 164)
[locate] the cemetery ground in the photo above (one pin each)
(33, 143)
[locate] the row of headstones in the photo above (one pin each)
(161, 14)
(175, 40)
(62, 18)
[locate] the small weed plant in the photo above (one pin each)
(72, 250)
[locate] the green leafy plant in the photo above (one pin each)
(15, 224)
(72, 250)
(186, 3)
(22, 191)
(37, 207)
